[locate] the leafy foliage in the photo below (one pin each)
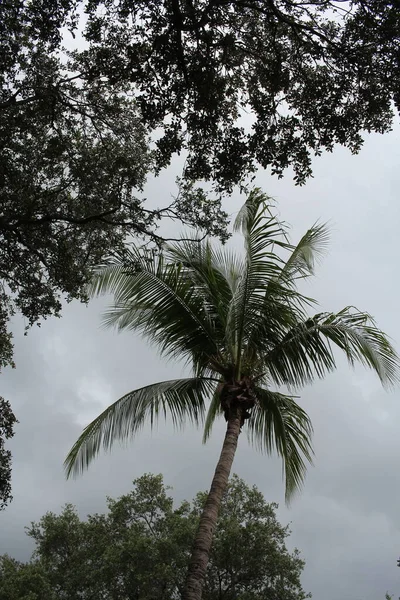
(7, 422)
(309, 75)
(140, 548)
(23, 581)
(74, 156)
(243, 326)
(248, 557)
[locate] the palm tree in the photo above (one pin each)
(244, 327)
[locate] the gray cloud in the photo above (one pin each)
(346, 521)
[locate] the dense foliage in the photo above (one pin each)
(7, 422)
(304, 75)
(74, 155)
(139, 551)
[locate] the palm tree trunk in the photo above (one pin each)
(208, 520)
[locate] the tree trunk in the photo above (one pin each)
(208, 520)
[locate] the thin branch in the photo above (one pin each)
(14, 102)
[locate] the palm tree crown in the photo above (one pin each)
(243, 326)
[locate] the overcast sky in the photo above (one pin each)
(346, 521)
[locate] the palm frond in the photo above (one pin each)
(273, 303)
(214, 410)
(306, 350)
(230, 264)
(158, 300)
(278, 423)
(303, 257)
(277, 312)
(201, 267)
(181, 398)
(262, 233)
(257, 206)
(215, 273)
(115, 272)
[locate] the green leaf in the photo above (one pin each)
(307, 350)
(262, 233)
(304, 256)
(181, 398)
(202, 268)
(158, 299)
(278, 423)
(214, 411)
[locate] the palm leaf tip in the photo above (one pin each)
(307, 350)
(309, 251)
(362, 341)
(255, 203)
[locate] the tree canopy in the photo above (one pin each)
(305, 76)
(74, 156)
(139, 550)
